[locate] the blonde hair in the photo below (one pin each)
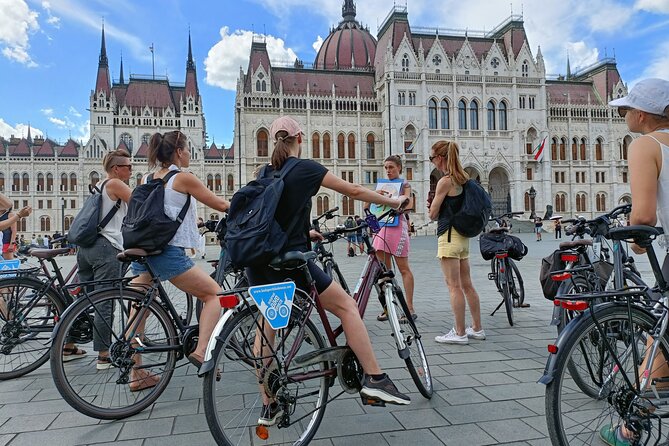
(450, 151)
(112, 158)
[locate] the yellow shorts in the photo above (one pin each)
(458, 248)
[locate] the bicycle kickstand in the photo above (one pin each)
(498, 307)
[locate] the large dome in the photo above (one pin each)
(349, 46)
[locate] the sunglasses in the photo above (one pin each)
(129, 166)
(622, 111)
(432, 157)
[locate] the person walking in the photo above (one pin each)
(392, 242)
(358, 234)
(558, 229)
(350, 236)
(303, 182)
(538, 224)
(646, 111)
(453, 248)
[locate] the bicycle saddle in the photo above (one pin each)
(292, 259)
(134, 254)
(638, 233)
(575, 244)
(47, 253)
(499, 230)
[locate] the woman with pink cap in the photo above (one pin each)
(301, 183)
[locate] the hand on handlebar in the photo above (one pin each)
(402, 202)
(315, 236)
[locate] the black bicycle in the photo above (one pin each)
(324, 251)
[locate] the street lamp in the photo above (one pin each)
(62, 214)
(533, 194)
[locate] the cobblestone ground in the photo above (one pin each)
(485, 392)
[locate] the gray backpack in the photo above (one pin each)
(87, 224)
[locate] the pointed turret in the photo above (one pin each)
(30, 140)
(568, 68)
(191, 76)
(120, 77)
(103, 83)
(348, 10)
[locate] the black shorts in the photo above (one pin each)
(265, 275)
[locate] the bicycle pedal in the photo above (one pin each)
(366, 401)
(492, 276)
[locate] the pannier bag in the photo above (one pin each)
(550, 263)
(491, 243)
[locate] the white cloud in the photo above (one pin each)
(47, 111)
(17, 23)
(51, 20)
(580, 55)
(317, 44)
(74, 112)
(83, 131)
(232, 51)
(59, 122)
(658, 6)
(657, 67)
(18, 130)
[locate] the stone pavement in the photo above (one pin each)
(485, 392)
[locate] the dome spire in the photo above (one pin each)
(348, 10)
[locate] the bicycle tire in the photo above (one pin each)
(33, 333)
(332, 270)
(505, 290)
(81, 375)
(576, 428)
(233, 355)
(403, 326)
(182, 301)
(517, 285)
(494, 268)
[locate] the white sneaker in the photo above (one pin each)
(452, 338)
(471, 333)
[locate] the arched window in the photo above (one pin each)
(582, 150)
(371, 149)
(45, 223)
(341, 153)
(474, 115)
(351, 146)
(68, 222)
(554, 149)
(2, 182)
(25, 182)
(218, 183)
(210, 182)
(73, 182)
(525, 69)
(627, 140)
(348, 206)
(231, 183)
(63, 182)
(16, 182)
(560, 202)
(445, 114)
(405, 62)
(580, 203)
(563, 149)
(503, 123)
(146, 138)
(127, 139)
(138, 179)
(462, 115)
(432, 114)
(409, 138)
(599, 156)
(601, 202)
(574, 149)
(94, 178)
(49, 182)
(315, 145)
(40, 182)
(319, 205)
(327, 153)
(491, 115)
(262, 143)
(528, 207)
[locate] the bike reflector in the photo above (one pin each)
(575, 305)
(502, 255)
(552, 348)
(228, 301)
(569, 257)
(559, 277)
(275, 302)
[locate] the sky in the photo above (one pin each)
(49, 48)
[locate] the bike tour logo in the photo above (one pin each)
(275, 302)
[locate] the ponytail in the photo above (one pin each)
(451, 152)
(282, 148)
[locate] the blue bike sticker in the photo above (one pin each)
(9, 265)
(275, 301)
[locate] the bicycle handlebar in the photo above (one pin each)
(508, 214)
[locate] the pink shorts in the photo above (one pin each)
(394, 240)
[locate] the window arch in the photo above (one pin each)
(138, 179)
(563, 149)
(627, 140)
(462, 114)
(445, 114)
(503, 123)
(40, 182)
(73, 182)
(315, 145)
(127, 139)
(528, 206)
(16, 182)
(580, 203)
(94, 178)
(218, 184)
(231, 183)
(491, 116)
(560, 202)
(210, 182)
(574, 149)
(351, 146)
(341, 153)
(262, 141)
(49, 182)
(474, 115)
(554, 150)
(409, 138)
(582, 150)
(600, 200)
(25, 182)
(68, 222)
(371, 149)
(322, 204)
(525, 69)
(348, 206)
(63, 182)
(599, 155)
(405, 62)
(432, 114)
(45, 223)
(327, 152)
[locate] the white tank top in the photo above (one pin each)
(112, 231)
(663, 184)
(187, 236)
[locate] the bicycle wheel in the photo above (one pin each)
(133, 381)
(408, 340)
(28, 311)
(574, 418)
(233, 404)
(182, 301)
(332, 270)
(516, 284)
(494, 268)
(506, 289)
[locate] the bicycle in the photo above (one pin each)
(500, 248)
(145, 323)
(324, 256)
(620, 345)
(297, 369)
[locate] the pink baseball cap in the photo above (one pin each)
(286, 124)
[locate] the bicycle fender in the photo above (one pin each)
(552, 360)
(555, 320)
(208, 364)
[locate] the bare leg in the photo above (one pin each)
(471, 294)
(407, 279)
(451, 269)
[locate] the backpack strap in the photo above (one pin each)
(184, 209)
(287, 167)
(111, 212)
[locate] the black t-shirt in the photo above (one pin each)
(300, 185)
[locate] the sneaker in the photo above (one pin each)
(471, 333)
(383, 390)
(611, 435)
(269, 413)
(452, 338)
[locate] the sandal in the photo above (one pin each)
(382, 317)
(73, 353)
(196, 360)
(148, 381)
(403, 319)
(104, 363)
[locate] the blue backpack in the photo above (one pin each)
(88, 223)
(254, 237)
(476, 209)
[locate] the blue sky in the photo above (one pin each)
(49, 49)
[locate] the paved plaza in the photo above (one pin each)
(485, 392)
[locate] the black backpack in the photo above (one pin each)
(476, 209)
(87, 225)
(254, 236)
(146, 226)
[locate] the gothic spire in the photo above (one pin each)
(348, 10)
(191, 78)
(120, 77)
(102, 82)
(190, 64)
(568, 68)
(103, 61)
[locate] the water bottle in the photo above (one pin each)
(371, 221)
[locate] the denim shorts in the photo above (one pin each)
(166, 265)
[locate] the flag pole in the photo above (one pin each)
(153, 65)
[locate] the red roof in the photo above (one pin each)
(123, 146)
(191, 84)
(71, 149)
(257, 58)
(3, 146)
(142, 152)
(577, 92)
(321, 81)
(348, 46)
(151, 93)
(213, 153)
(230, 153)
(102, 83)
(46, 149)
(22, 148)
